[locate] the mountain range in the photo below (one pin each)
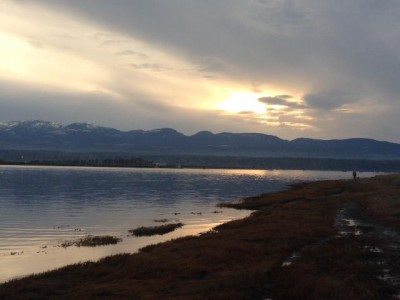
(83, 137)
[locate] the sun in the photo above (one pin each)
(243, 102)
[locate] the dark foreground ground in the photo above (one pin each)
(324, 240)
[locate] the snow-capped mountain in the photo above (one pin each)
(43, 135)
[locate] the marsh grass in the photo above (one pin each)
(92, 241)
(155, 230)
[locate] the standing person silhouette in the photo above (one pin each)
(354, 175)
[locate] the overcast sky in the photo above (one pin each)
(302, 68)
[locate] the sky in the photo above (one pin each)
(303, 68)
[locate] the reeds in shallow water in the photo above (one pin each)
(92, 241)
(155, 230)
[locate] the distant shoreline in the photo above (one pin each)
(244, 163)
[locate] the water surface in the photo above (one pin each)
(43, 206)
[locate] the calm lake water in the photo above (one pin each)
(40, 207)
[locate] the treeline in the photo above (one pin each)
(282, 163)
(141, 160)
(110, 162)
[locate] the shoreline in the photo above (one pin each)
(52, 255)
(232, 163)
(313, 241)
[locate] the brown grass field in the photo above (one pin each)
(323, 240)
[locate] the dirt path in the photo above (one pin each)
(380, 244)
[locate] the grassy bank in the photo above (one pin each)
(324, 240)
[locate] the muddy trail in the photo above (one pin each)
(380, 244)
(364, 245)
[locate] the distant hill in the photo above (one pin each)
(84, 137)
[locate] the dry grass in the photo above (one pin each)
(336, 270)
(239, 260)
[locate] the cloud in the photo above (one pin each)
(146, 66)
(285, 43)
(333, 99)
(301, 44)
(246, 112)
(131, 53)
(282, 100)
(35, 43)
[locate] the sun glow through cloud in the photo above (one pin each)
(243, 102)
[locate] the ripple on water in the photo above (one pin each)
(42, 206)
